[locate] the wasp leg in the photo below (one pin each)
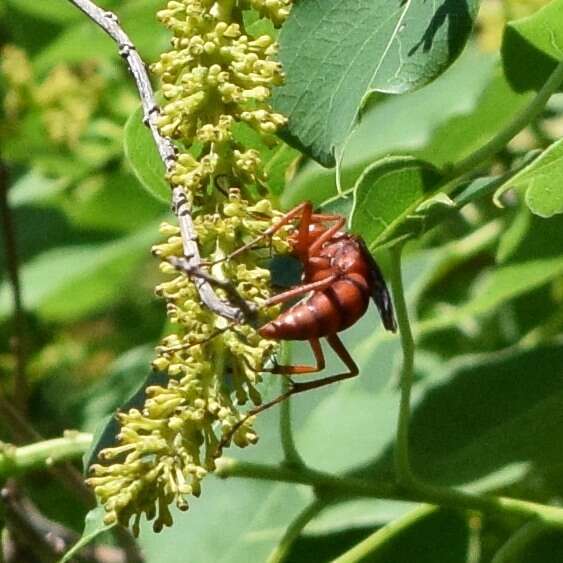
(301, 290)
(301, 369)
(338, 346)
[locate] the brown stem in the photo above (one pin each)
(46, 539)
(18, 339)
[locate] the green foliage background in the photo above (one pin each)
(484, 284)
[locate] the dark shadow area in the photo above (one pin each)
(454, 13)
(526, 68)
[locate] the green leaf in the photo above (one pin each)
(506, 283)
(542, 182)
(93, 526)
(65, 283)
(143, 157)
(430, 124)
(234, 521)
(114, 203)
(85, 40)
(337, 52)
(387, 193)
(532, 47)
(50, 10)
(488, 412)
(126, 374)
(435, 535)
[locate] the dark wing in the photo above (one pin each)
(380, 294)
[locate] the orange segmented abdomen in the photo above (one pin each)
(325, 312)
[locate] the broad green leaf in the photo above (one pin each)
(93, 526)
(483, 420)
(541, 181)
(234, 521)
(489, 412)
(66, 282)
(431, 124)
(533, 46)
(387, 193)
(337, 52)
(143, 157)
(435, 535)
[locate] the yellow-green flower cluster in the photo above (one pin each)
(66, 98)
(215, 79)
(16, 70)
(165, 449)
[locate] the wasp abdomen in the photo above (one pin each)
(325, 312)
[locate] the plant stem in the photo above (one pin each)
(42, 454)
(337, 485)
(385, 535)
(18, 340)
(521, 538)
(501, 139)
(294, 530)
(291, 455)
(410, 484)
(401, 453)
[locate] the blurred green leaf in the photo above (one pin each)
(93, 526)
(386, 193)
(360, 48)
(123, 381)
(143, 157)
(434, 535)
(86, 41)
(431, 124)
(235, 521)
(114, 203)
(65, 283)
(531, 257)
(541, 181)
(484, 419)
(505, 283)
(532, 47)
(50, 10)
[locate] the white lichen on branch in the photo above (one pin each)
(216, 83)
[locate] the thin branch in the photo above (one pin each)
(281, 551)
(41, 455)
(291, 454)
(348, 487)
(18, 340)
(403, 470)
(510, 551)
(384, 535)
(110, 24)
(501, 139)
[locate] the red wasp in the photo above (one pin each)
(342, 276)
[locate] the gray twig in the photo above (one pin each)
(110, 24)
